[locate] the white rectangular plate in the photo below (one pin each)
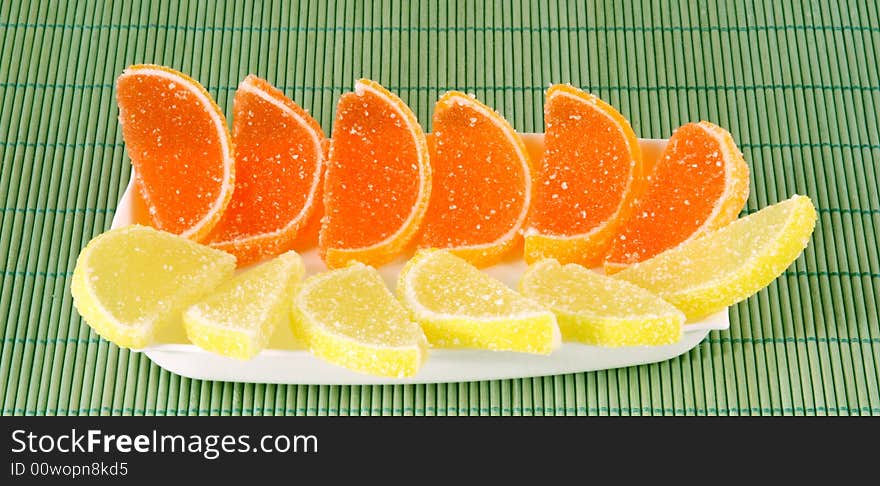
(285, 361)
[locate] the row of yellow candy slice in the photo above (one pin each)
(131, 281)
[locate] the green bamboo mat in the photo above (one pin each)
(797, 85)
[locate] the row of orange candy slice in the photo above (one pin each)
(381, 186)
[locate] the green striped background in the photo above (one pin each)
(797, 86)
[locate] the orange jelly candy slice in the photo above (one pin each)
(589, 175)
(378, 179)
(279, 160)
(180, 148)
(699, 184)
(482, 182)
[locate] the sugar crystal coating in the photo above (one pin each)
(699, 183)
(378, 179)
(129, 282)
(588, 166)
(589, 176)
(350, 318)
(595, 309)
(707, 274)
(279, 158)
(180, 148)
(238, 318)
(459, 306)
(482, 181)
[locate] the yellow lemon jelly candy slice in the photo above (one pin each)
(131, 281)
(707, 274)
(350, 318)
(237, 319)
(595, 309)
(458, 306)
